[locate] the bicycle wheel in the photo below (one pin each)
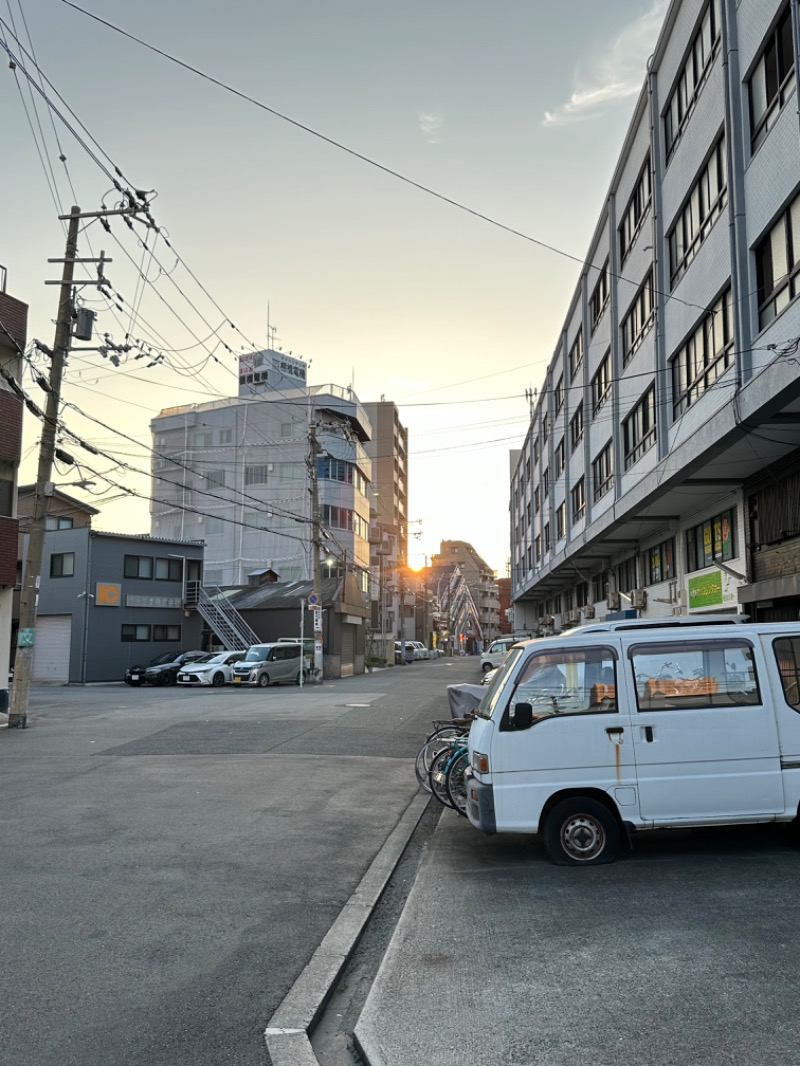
(438, 776)
(439, 739)
(455, 782)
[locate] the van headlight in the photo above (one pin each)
(480, 763)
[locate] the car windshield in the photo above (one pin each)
(166, 657)
(256, 655)
(490, 698)
(208, 658)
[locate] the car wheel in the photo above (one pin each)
(580, 831)
(263, 681)
(218, 680)
(168, 678)
(486, 667)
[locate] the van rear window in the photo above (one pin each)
(687, 674)
(787, 654)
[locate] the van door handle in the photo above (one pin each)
(648, 734)
(615, 731)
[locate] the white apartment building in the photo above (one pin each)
(660, 472)
(236, 473)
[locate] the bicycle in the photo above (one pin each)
(436, 741)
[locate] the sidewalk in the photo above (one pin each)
(679, 956)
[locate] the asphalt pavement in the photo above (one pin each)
(681, 955)
(172, 860)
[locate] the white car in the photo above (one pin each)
(421, 651)
(213, 669)
(496, 652)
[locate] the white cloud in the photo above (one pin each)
(616, 74)
(430, 124)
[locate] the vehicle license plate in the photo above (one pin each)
(134, 677)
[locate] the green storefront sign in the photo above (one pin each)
(706, 590)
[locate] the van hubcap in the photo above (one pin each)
(582, 837)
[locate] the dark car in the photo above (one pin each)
(162, 670)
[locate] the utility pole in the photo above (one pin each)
(26, 634)
(316, 548)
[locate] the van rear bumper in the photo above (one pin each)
(480, 804)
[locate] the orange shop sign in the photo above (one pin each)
(108, 594)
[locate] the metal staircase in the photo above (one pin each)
(224, 619)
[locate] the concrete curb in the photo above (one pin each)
(287, 1034)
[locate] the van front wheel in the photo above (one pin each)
(580, 831)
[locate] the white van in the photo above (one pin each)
(496, 652)
(630, 725)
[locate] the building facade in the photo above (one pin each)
(659, 472)
(236, 473)
(13, 337)
(392, 617)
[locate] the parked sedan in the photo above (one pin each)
(134, 675)
(214, 669)
(421, 650)
(165, 672)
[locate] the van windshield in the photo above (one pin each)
(489, 701)
(255, 655)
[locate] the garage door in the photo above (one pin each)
(51, 650)
(348, 649)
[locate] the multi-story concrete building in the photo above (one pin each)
(13, 334)
(481, 580)
(660, 470)
(392, 618)
(236, 473)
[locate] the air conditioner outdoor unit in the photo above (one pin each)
(573, 617)
(639, 598)
(588, 611)
(547, 620)
(677, 610)
(612, 601)
(683, 598)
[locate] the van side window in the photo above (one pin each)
(688, 674)
(569, 681)
(787, 653)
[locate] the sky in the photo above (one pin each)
(515, 111)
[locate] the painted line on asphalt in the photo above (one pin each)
(287, 1034)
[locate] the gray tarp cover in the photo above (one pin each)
(464, 698)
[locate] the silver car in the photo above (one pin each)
(213, 669)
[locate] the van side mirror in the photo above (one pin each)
(520, 716)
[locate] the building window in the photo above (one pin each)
(537, 451)
(772, 80)
(293, 430)
(710, 541)
(597, 304)
(706, 202)
(635, 212)
(212, 525)
(215, 477)
(62, 564)
(53, 522)
(626, 575)
(639, 320)
(578, 501)
(639, 428)
(226, 436)
(778, 265)
(706, 354)
(603, 472)
(576, 354)
(167, 633)
(527, 470)
(601, 384)
(545, 427)
(536, 501)
(559, 457)
(547, 537)
(599, 587)
(692, 75)
(659, 562)
(528, 513)
(558, 395)
(576, 427)
(138, 566)
(335, 470)
(561, 521)
(256, 474)
(169, 569)
(546, 483)
(135, 633)
(201, 438)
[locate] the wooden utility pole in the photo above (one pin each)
(26, 634)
